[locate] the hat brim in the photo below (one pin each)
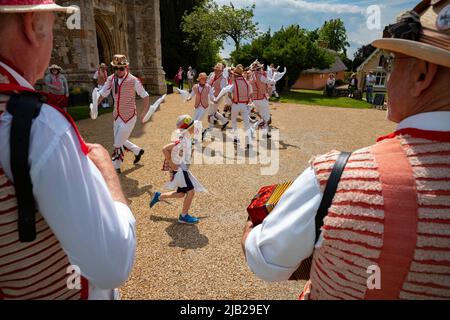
(119, 65)
(415, 49)
(38, 8)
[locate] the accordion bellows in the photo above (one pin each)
(262, 204)
(265, 201)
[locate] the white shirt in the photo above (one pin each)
(275, 248)
(97, 233)
(371, 80)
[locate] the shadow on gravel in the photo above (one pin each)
(183, 236)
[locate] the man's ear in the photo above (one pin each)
(29, 28)
(424, 74)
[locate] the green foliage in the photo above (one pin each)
(210, 22)
(333, 32)
(361, 55)
(175, 51)
(293, 47)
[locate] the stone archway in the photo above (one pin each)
(105, 44)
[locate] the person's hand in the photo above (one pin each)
(247, 229)
(67, 95)
(99, 156)
(102, 160)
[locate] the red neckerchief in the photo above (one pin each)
(442, 136)
(15, 87)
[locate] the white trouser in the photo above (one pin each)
(199, 113)
(122, 132)
(244, 110)
(263, 108)
(214, 114)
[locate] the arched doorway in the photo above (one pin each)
(105, 43)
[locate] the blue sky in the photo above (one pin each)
(311, 14)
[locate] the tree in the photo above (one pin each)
(236, 24)
(291, 47)
(333, 32)
(212, 22)
(362, 54)
(176, 52)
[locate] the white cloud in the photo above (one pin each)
(327, 7)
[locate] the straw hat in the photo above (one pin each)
(20, 6)
(54, 67)
(102, 65)
(202, 75)
(256, 65)
(218, 66)
(184, 122)
(120, 60)
(423, 33)
(238, 70)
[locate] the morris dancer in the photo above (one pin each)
(217, 81)
(260, 83)
(177, 160)
(124, 86)
(242, 96)
(203, 93)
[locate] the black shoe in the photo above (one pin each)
(236, 141)
(203, 134)
(138, 157)
(118, 171)
(225, 125)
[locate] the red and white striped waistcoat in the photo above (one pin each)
(259, 88)
(241, 90)
(216, 83)
(124, 97)
(35, 270)
(404, 231)
(201, 99)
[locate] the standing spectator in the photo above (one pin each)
(352, 86)
(190, 78)
(370, 82)
(100, 77)
(57, 88)
(331, 83)
(180, 77)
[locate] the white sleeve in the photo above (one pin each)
(267, 81)
(211, 94)
(106, 89)
(97, 234)
(141, 92)
(275, 248)
(95, 77)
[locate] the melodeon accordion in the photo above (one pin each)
(262, 205)
(265, 200)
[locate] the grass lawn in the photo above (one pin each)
(316, 98)
(83, 112)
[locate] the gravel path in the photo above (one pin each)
(205, 261)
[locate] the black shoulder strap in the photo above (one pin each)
(24, 108)
(330, 190)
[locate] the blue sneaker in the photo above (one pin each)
(155, 199)
(187, 219)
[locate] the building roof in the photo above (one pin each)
(374, 54)
(337, 66)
